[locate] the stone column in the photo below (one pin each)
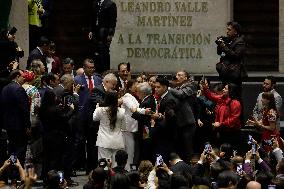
(19, 19)
(281, 36)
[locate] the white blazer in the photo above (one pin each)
(108, 138)
(129, 101)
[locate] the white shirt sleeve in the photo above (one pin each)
(97, 114)
(151, 180)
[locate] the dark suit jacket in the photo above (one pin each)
(234, 51)
(16, 114)
(84, 91)
(187, 103)
(58, 90)
(181, 167)
(96, 96)
(148, 102)
(103, 19)
(164, 131)
(7, 55)
(35, 54)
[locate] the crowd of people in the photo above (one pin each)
(133, 131)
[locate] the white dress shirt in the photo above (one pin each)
(129, 101)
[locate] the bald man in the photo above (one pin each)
(253, 185)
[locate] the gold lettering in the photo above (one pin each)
(204, 6)
(120, 39)
(156, 21)
(130, 52)
(141, 21)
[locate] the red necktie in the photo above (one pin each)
(91, 85)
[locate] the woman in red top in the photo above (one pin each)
(227, 114)
(267, 124)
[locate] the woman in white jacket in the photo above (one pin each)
(112, 121)
(129, 102)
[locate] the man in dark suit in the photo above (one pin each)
(178, 165)
(87, 81)
(39, 52)
(142, 140)
(164, 132)
(96, 97)
(123, 75)
(16, 114)
(103, 23)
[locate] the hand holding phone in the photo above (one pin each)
(159, 160)
(61, 176)
(13, 159)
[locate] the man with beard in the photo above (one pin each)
(268, 86)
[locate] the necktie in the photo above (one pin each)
(91, 85)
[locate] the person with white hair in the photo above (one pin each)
(143, 141)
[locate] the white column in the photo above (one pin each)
(19, 19)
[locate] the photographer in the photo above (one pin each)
(232, 50)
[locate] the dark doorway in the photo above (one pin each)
(69, 29)
(260, 21)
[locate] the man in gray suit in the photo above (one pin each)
(268, 86)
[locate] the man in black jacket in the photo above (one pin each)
(39, 52)
(16, 114)
(166, 121)
(102, 23)
(178, 165)
(232, 50)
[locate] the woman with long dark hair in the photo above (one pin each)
(267, 125)
(227, 113)
(112, 121)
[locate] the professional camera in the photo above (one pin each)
(222, 39)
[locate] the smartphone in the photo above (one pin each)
(271, 186)
(13, 159)
(253, 149)
(207, 147)
(240, 169)
(159, 160)
(133, 167)
(61, 176)
(250, 140)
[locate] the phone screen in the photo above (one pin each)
(271, 186)
(133, 167)
(61, 176)
(207, 147)
(239, 169)
(13, 159)
(159, 160)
